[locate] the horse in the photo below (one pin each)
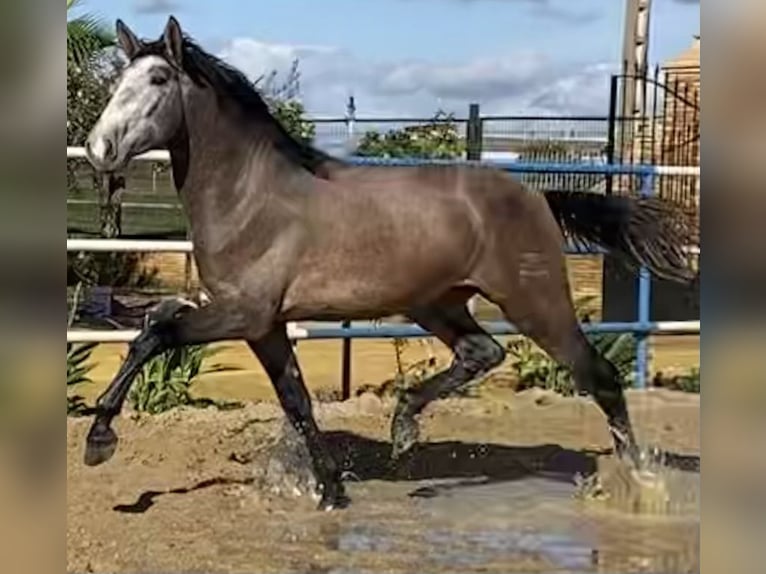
(282, 232)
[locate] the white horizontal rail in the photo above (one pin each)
(128, 204)
(127, 335)
(128, 245)
(73, 152)
(677, 170)
(296, 332)
(669, 327)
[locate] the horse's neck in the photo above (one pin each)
(228, 168)
(222, 152)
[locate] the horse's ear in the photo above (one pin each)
(128, 41)
(174, 41)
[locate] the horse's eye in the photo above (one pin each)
(158, 80)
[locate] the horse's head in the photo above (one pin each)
(145, 110)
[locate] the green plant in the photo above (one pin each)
(688, 382)
(437, 139)
(165, 381)
(291, 115)
(534, 368)
(77, 369)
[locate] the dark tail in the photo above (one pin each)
(643, 231)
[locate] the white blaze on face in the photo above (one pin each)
(143, 113)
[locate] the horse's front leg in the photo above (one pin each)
(171, 324)
(276, 354)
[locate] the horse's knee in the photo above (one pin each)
(168, 311)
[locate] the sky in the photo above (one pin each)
(412, 57)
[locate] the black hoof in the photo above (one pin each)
(334, 498)
(100, 445)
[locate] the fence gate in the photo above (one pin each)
(654, 118)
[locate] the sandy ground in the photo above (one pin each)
(492, 488)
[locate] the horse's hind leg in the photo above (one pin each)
(476, 352)
(540, 305)
(276, 354)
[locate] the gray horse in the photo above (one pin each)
(283, 232)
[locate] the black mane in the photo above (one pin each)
(227, 81)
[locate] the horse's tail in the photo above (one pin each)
(644, 231)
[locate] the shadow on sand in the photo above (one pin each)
(471, 464)
(369, 459)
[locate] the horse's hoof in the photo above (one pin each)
(625, 447)
(404, 436)
(333, 499)
(100, 444)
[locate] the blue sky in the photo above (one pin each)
(408, 57)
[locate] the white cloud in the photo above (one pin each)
(516, 83)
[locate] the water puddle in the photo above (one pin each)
(617, 519)
(531, 524)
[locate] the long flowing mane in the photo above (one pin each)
(228, 82)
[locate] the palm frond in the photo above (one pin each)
(87, 35)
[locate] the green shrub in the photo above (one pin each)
(688, 382)
(165, 381)
(437, 139)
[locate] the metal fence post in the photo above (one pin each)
(611, 129)
(473, 146)
(473, 134)
(345, 390)
(644, 306)
(350, 125)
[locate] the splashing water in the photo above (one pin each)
(654, 487)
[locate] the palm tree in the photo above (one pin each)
(86, 36)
